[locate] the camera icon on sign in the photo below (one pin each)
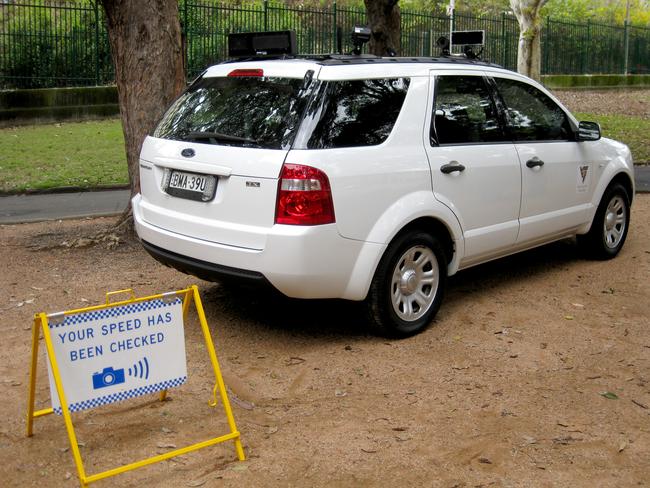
(108, 377)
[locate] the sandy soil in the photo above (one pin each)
(505, 389)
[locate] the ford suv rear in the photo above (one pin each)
(372, 179)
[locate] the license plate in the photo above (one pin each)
(193, 186)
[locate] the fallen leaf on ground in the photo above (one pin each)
(197, 482)
(164, 445)
(609, 395)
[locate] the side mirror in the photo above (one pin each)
(588, 131)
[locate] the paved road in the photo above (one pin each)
(53, 206)
(16, 209)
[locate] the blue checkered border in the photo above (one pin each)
(107, 313)
(123, 395)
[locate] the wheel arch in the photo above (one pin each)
(626, 182)
(624, 179)
(446, 230)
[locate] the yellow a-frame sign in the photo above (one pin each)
(42, 324)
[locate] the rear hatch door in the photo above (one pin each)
(210, 169)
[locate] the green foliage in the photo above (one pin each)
(45, 43)
(85, 154)
(604, 11)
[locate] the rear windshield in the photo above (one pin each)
(258, 112)
(352, 113)
(278, 113)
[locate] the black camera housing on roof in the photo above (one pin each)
(256, 44)
(360, 35)
(464, 38)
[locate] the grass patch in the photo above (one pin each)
(84, 154)
(632, 131)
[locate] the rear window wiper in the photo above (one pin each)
(219, 137)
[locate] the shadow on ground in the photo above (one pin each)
(265, 311)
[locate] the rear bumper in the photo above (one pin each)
(300, 262)
(202, 269)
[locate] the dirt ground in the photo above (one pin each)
(606, 102)
(535, 373)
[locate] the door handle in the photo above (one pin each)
(534, 162)
(452, 166)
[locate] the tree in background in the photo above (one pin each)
(384, 21)
(529, 52)
(145, 39)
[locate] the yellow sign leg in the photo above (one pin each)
(217, 372)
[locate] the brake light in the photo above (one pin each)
(241, 73)
(304, 197)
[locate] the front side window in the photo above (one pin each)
(351, 113)
(261, 112)
(532, 115)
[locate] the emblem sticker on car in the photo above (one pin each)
(188, 152)
(582, 183)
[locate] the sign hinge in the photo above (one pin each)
(56, 318)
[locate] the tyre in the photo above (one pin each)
(609, 227)
(408, 285)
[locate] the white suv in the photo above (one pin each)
(373, 179)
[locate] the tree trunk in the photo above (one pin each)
(145, 39)
(529, 52)
(384, 19)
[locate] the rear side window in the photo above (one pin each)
(464, 112)
(259, 112)
(352, 113)
(532, 115)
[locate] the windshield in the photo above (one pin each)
(261, 112)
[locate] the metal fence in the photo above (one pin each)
(46, 43)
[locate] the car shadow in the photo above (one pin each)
(265, 311)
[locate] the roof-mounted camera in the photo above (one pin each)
(360, 35)
(467, 40)
(257, 44)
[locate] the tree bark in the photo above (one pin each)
(529, 52)
(145, 40)
(384, 19)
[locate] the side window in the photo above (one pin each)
(464, 112)
(353, 113)
(532, 115)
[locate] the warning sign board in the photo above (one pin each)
(109, 355)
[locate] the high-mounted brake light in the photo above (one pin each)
(242, 73)
(304, 197)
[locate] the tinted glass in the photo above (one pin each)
(464, 112)
(250, 112)
(352, 113)
(532, 116)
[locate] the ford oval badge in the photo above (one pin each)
(188, 152)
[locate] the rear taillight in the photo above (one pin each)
(304, 197)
